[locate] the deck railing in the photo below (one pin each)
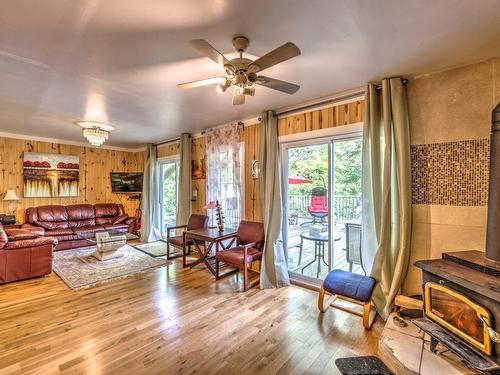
(344, 207)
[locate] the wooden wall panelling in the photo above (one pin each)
(251, 198)
(95, 166)
(197, 153)
(323, 118)
(168, 150)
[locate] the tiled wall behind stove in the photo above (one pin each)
(451, 173)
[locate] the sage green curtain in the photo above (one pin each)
(386, 190)
(274, 272)
(150, 214)
(184, 191)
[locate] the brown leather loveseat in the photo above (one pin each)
(24, 254)
(65, 222)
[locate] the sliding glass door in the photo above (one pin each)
(322, 190)
(169, 182)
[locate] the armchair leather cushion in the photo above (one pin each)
(120, 219)
(30, 243)
(176, 241)
(236, 255)
(16, 234)
(197, 221)
(40, 232)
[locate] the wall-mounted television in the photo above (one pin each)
(126, 182)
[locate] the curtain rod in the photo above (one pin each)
(331, 101)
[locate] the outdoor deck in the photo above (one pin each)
(339, 252)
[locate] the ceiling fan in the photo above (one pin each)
(241, 73)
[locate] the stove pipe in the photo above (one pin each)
(493, 229)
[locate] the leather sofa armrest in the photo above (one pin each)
(40, 241)
(39, 231)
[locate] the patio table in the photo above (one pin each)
(320, 240)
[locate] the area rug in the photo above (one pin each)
(369, 365)
(79, 269)
(155, 249)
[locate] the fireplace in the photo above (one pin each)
(462, 290)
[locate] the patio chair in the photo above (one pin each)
(248, 249)
(353, 244)
(318, 207)
(195, 221)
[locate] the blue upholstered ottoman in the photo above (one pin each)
(353, 287)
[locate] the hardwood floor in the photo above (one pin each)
(172, 320)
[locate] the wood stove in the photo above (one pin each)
(462, 290)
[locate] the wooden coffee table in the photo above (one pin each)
(108, 243)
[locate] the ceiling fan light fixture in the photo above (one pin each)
(95, 132)
(223, 86)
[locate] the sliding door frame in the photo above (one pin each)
(317, 137)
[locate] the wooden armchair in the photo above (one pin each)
(195, 222)
(248, 248)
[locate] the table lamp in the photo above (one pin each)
(210, 206)
(11, 197)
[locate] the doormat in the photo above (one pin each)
(155, 249)
(369, 365)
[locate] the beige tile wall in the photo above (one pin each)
(450, 106)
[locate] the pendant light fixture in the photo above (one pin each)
(96, 132)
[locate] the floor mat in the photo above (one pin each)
(155, 249)
(369, 365)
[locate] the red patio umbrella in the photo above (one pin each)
(296, 180)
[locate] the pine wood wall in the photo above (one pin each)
(95, 166)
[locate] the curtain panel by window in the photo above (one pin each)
(150, 216)
(274, 272)
(224, 158)
(386, 190)
(184, 192)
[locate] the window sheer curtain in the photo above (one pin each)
(386, 190)
(224, 157)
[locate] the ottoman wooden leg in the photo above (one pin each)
(321, 298)
(368, 315)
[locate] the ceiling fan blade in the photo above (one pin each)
(276, 56)
(205, 48)
(276, 84)
(238, 98)
(201, 82)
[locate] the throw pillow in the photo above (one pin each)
(120, 219)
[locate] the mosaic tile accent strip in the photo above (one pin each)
(452, 173)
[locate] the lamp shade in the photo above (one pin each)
(11, 195)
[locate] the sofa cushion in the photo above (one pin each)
(67, 237)
(80, 215)
(108, 210)
(89, 229)
(118, 227)
(52, 217)
(16, 234)
(58, 232)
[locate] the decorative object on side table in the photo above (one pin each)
(219, 216)
(11, 197)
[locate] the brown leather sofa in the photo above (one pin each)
(24, 254)
(65, 222)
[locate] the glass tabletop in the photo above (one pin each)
(107, 236)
